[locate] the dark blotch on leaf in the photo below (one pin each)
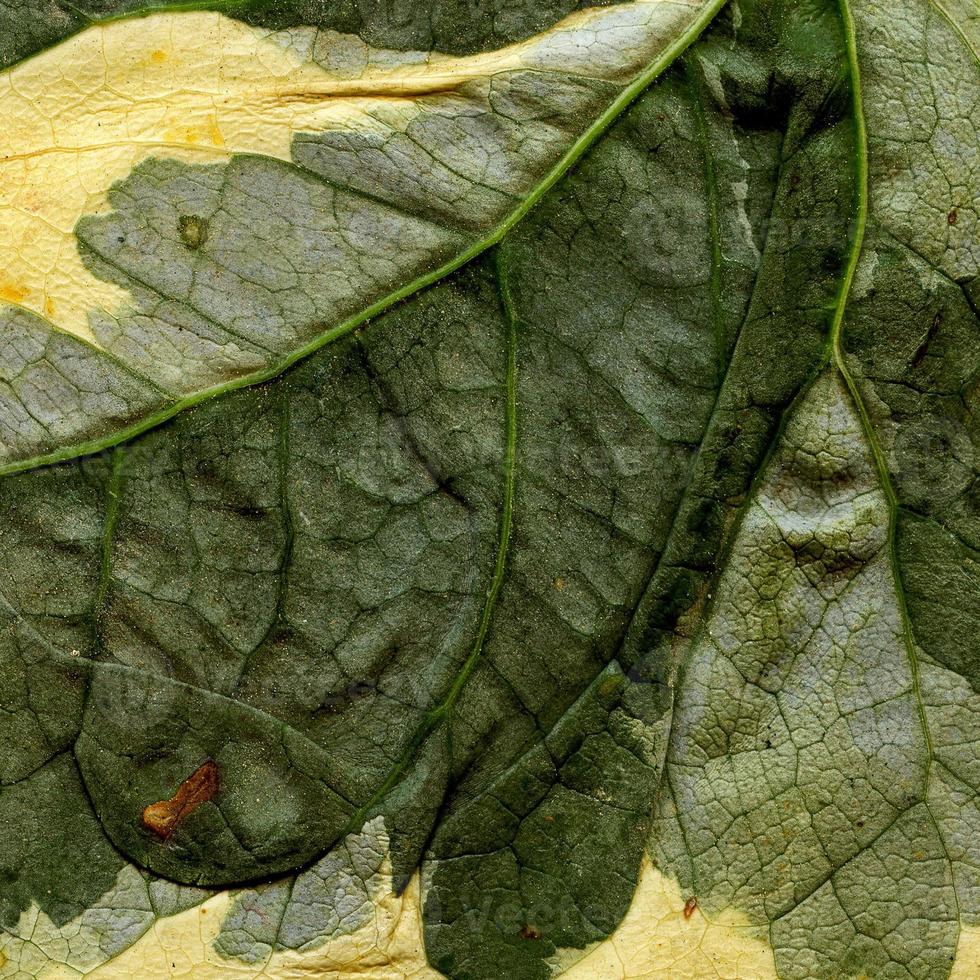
(193, 230)
(675, 599)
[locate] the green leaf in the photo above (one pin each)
(822, 770)
(581, 556)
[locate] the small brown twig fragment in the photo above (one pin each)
(202, 785)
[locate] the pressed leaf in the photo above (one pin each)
(192, 203)
(606, 605)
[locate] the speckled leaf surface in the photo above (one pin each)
(489, 490)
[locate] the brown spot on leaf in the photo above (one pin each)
(689, 906)
(530, 932)
(202, 785)
(193, 230)
(951, 217)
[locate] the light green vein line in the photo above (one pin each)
(438, 714)
(578, 149)
(861, 178)
(881, 462)
(952, 22)
(189, 6)
(507, 508)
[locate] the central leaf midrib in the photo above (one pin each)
(864, 417)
